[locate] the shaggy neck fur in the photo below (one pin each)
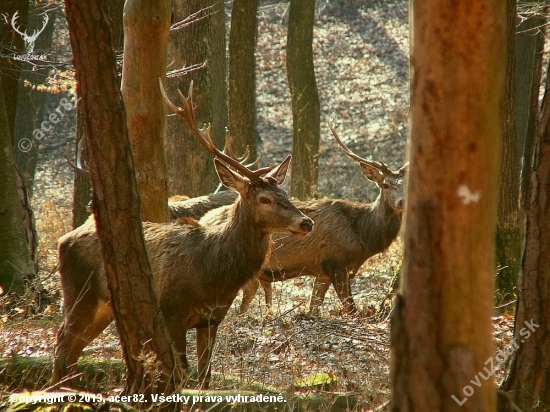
(380, 227)
(240, 248)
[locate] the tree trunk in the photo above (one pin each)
(82, 187)
(241, 76)
(528, 380)
(11, 68)
(115, 9)
(441, 326)
(30, 103)
(28, 116)
(142, 68)
(152, 367)
(191, 170)
(10, 71)
(16, 264)
(530, 34)
(305, 99)
(509, 241)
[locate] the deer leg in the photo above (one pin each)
(341, 282)
(79, 329)
(179, 337)
(205, 343)
(268, 291)
(249, 291)
(320, 288)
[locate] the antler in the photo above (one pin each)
(379, 165)
(228, 149)
(80, 166)
(203, 135)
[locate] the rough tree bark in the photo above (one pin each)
(528, 379)
(82, 187)
(509, 237)
(142, 68)
(30, 101)
(529, 52)
(146, 346)
(201, 41)
(442, 328)
(305, 99)
(28, 117)
(12, 43)
(16, 264)
(10, 71)
(241, 93)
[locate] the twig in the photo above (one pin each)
(507, 304)
(62, 381)
(267, 322)
(192, 18)
(186, 70)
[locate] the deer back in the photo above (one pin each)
(197, 207)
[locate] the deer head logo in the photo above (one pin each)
(29, 39)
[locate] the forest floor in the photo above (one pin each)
(361, 60)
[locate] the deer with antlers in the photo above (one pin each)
(346, 234)
(198, 268)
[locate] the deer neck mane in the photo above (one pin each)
(240, 246)
(379, 226)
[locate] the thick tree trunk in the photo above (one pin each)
(442, 328)
(115, 10)
(30, 112)
(13, 42)
(30, 102)
(305, 99)
(16, 264)
(509, 242)
(145, 340)
(146, 113)
(241, 76)
(10, 71)
(82, 187)
(28, 117)
(190, 167)
(529, 52)
(528, 380)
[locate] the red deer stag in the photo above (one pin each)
(346, 234)
(198, 268)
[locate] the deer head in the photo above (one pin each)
(390, 182)
(258, 188)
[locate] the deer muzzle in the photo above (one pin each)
(303, 227)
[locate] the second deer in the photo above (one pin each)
(346, 234)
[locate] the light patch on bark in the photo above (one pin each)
(467, 195)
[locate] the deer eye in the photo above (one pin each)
(264, 200)
(385, 186)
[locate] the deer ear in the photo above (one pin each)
(229, 178)
(279, 173)
(372, 173)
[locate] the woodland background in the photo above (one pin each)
(361, 53)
